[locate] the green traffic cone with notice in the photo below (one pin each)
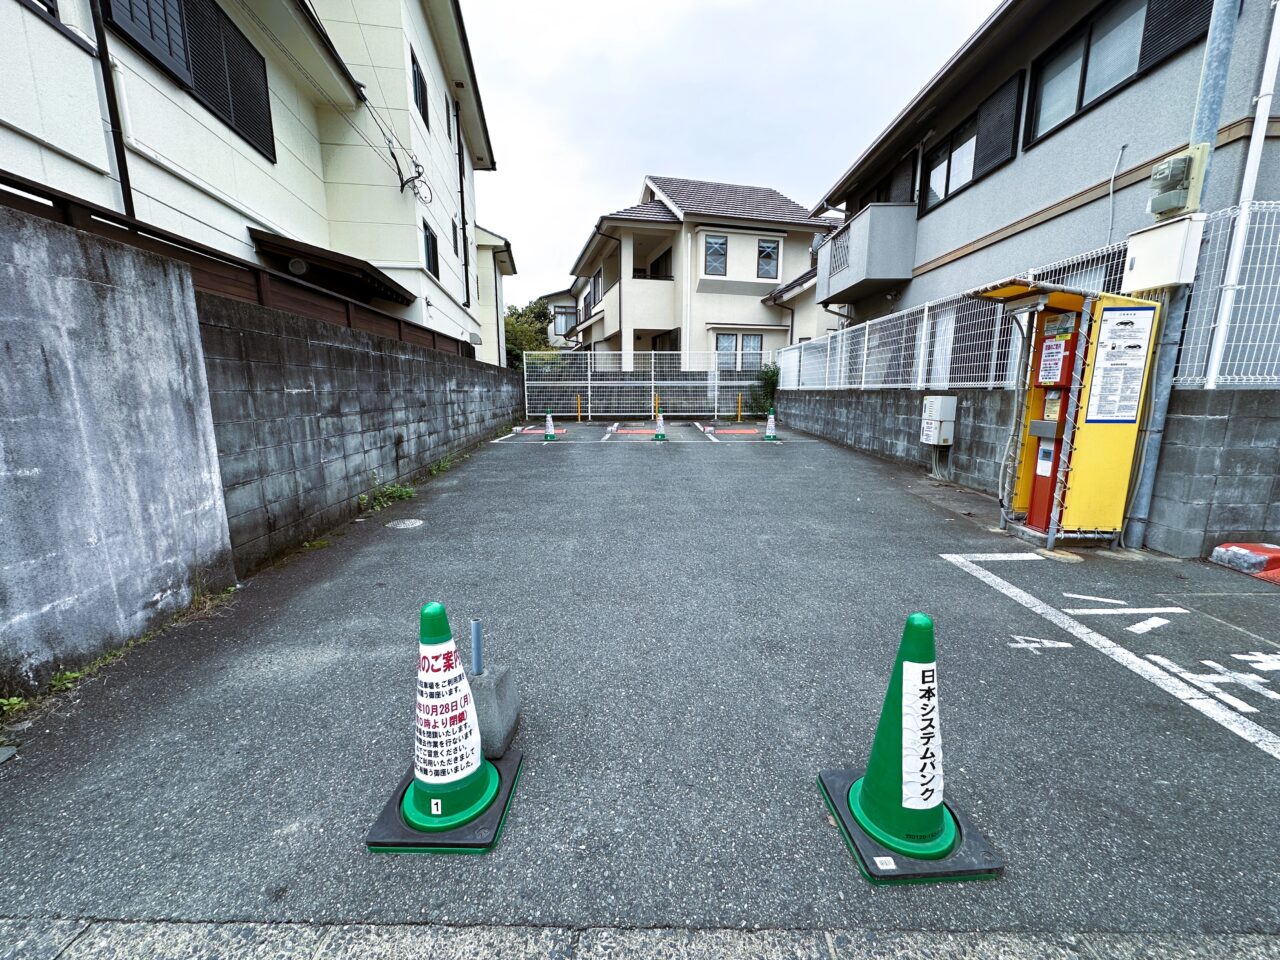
(892, 814)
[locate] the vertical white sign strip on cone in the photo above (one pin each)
(921, 737)
(447, 737)
(770, 427)
(550, 428)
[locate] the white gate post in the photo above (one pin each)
(922, 351)
(995, 348)
(588, 386)
(866, 344)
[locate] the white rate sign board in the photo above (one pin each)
(1120, 364)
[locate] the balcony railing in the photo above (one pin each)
(875, 249)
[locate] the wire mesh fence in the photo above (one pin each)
(1232, 334)
(953, 342)
(597, 385)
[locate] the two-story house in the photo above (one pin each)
(1034, 144)
(336, 142)
(696, 267)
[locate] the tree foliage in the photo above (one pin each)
(526, 329)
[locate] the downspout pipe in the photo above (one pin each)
(113, 107)
(1204, 127)
(462, 210)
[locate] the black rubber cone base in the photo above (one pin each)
(390, 834)
(973, 858)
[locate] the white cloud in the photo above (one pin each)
(585, 97)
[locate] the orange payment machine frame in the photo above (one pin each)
(1081, 361)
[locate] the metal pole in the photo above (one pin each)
(1135, 531)
(1204, 129)
(477, 647)
(588, 386)
(1213, 79)
(866, 342)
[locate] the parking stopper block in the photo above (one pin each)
(892, 815)
(549, 432)
(452, 800)
(770, 427)
(661, 432)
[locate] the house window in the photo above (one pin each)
(976, 147)
(726, 351)
(597, 285)
(716, 256)
(431, 247)
(199, 46)
(752, 350)
(448, 127)
(455, 237)
(565, 318)
(1111, 48)
(767, 259)
(420, 90)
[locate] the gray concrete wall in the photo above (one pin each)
(306, 412)
(887, 423)
(1219, 472)
(1219, 475)
(111, 509)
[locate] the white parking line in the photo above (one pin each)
(1260, 737)
(1147, 625)
(1119, 611)
(1085, 596)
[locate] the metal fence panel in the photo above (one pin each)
(600, 385)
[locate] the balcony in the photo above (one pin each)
(872, 251)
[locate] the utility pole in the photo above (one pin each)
(1204, 129)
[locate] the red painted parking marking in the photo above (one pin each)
(722, 432)
(540, 430)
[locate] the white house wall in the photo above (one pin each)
(49, 101)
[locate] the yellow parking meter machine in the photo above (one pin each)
(1080, 362)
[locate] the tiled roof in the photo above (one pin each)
(781, 290)
(653, 210)
(732, 200)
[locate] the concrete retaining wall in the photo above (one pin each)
(111, 509)
(1219, 475)
(307, 412)
(1219, 472)
(887, 423)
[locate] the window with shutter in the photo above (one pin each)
(157, 27)
(998, 127)
(1170, 26)
(431, 248)
(200, 46)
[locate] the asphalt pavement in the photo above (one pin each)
(696, 627)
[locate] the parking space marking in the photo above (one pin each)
(1085, 596)
(1119, 611)
(1147, 625)
(1197, 699)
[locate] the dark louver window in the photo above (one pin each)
(997, 127)
(209, 55)
(1170, 26)
(157, 27)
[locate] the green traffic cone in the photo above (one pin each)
(549, 431)
(899, 799)
(892, 815)
(771, 427)
(660, 433)
(452, 781)
(452, 800)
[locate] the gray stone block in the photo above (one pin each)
(497, 709)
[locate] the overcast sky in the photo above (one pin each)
(585, 97)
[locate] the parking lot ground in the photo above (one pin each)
(697, 628)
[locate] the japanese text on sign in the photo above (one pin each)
(447, 738)
(1120, 364)
(921, 737)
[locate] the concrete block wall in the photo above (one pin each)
(1219, 475)
(887, 423)
(111, 509)
(307, 412)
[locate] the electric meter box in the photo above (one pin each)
(940, 408)
(1164, 255)
(938, 425)
(940, 433)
